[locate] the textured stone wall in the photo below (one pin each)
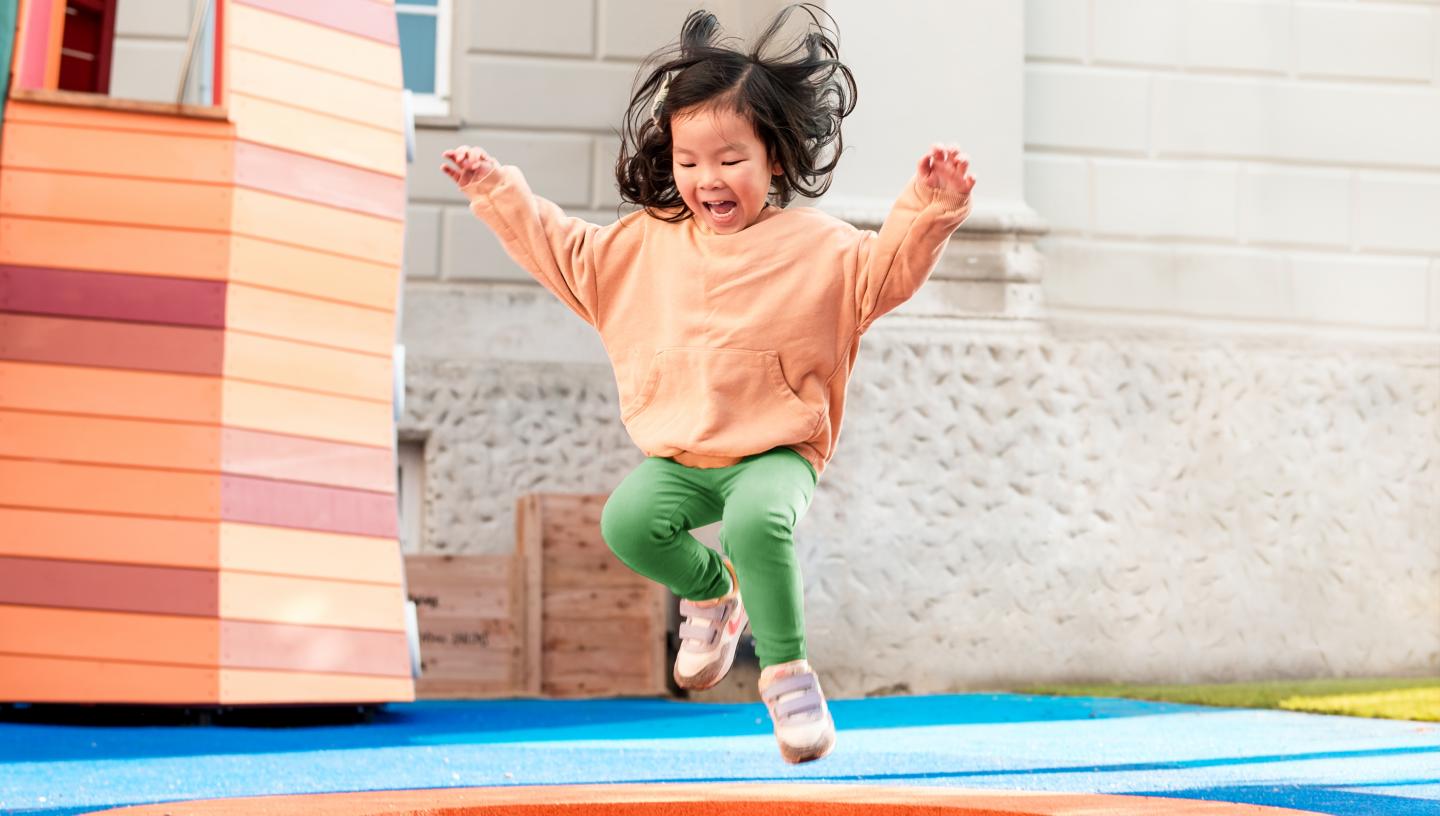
(1033, 503)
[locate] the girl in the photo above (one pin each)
(732, 324)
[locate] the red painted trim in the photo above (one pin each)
(307, 507)
(218, 80)
(108, 344)
(107, 47)
(116, 587)
(112, 296)
(323, 182)
(363, 18)
(290, 647)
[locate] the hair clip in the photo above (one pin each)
(659, 100)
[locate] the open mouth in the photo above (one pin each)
(721, 211)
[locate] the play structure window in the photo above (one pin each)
(85, 46)
(425, 53)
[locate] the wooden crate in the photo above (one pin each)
(471, 610)
(599, 629)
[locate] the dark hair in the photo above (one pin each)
(795, 100)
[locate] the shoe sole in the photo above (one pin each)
(795, 756)
(710, 676)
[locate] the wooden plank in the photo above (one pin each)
(361, 18)
(270, 265)
(315, 134)
(113, 248)
(530, 549)
(308, 507)
(259, 214)
(114, 200)
(92, 118)
(562, 572)
(250, 645)
(580, 638)
(624, 602)
(273, 409)
(94, 488)
(137, 298)
(310, 320)
(277, 361)
(316, 89)
(109, 441)
(240, 686)
(261, 167)
(315, 461)
(110, 344)
(308, 553)
(94, 537)
(253, 29)
(114, 587)
(66, 680)
(139, 154)
(96, 102)
(311, 601)
(81, 390)
(84, 633)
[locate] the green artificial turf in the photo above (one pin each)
(1416, 698)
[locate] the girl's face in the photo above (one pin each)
(721, 168)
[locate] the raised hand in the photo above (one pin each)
(468, 164)
(944, 167)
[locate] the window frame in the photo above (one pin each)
(437, 103)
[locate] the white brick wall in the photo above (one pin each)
(1271, 160)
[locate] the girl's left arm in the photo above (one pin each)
(895, 262)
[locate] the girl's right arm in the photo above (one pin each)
(560, 252)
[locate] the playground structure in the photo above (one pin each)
(197, 370)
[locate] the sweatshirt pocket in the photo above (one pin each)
(719, 402)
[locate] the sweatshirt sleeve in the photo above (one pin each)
(896, 261)
(561, 252)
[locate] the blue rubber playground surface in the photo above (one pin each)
(1326, 764)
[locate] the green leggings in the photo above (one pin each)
(648, 519)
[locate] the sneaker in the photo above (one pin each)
(803, 725)
(708, 637)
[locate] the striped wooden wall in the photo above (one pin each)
(197, 317)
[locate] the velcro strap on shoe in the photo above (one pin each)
(787, 685)
(705, 634)
(718, 612)
(810, 701)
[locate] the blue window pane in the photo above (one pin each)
(403, 3)
(417, 51)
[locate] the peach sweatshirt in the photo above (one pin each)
(726, 345)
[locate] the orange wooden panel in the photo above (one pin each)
(318, 90)
(112, 539)
(110, 392)
(67, 680)
(111, 344)
(311, 601)
(256, 686)
(301, 365)
(57, 486)
(128, 153)
(260, 214)
(313, 649)
(103, 440)
(308, 553)
(310, 320)
(144, 202)
(300, 413)
(98, 119)
(313, 461)
(252, 29)
(55, 632)
(113, 248)
(269, 123)
(310, 272)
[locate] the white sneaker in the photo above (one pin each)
(803, 725)
(708, 637)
